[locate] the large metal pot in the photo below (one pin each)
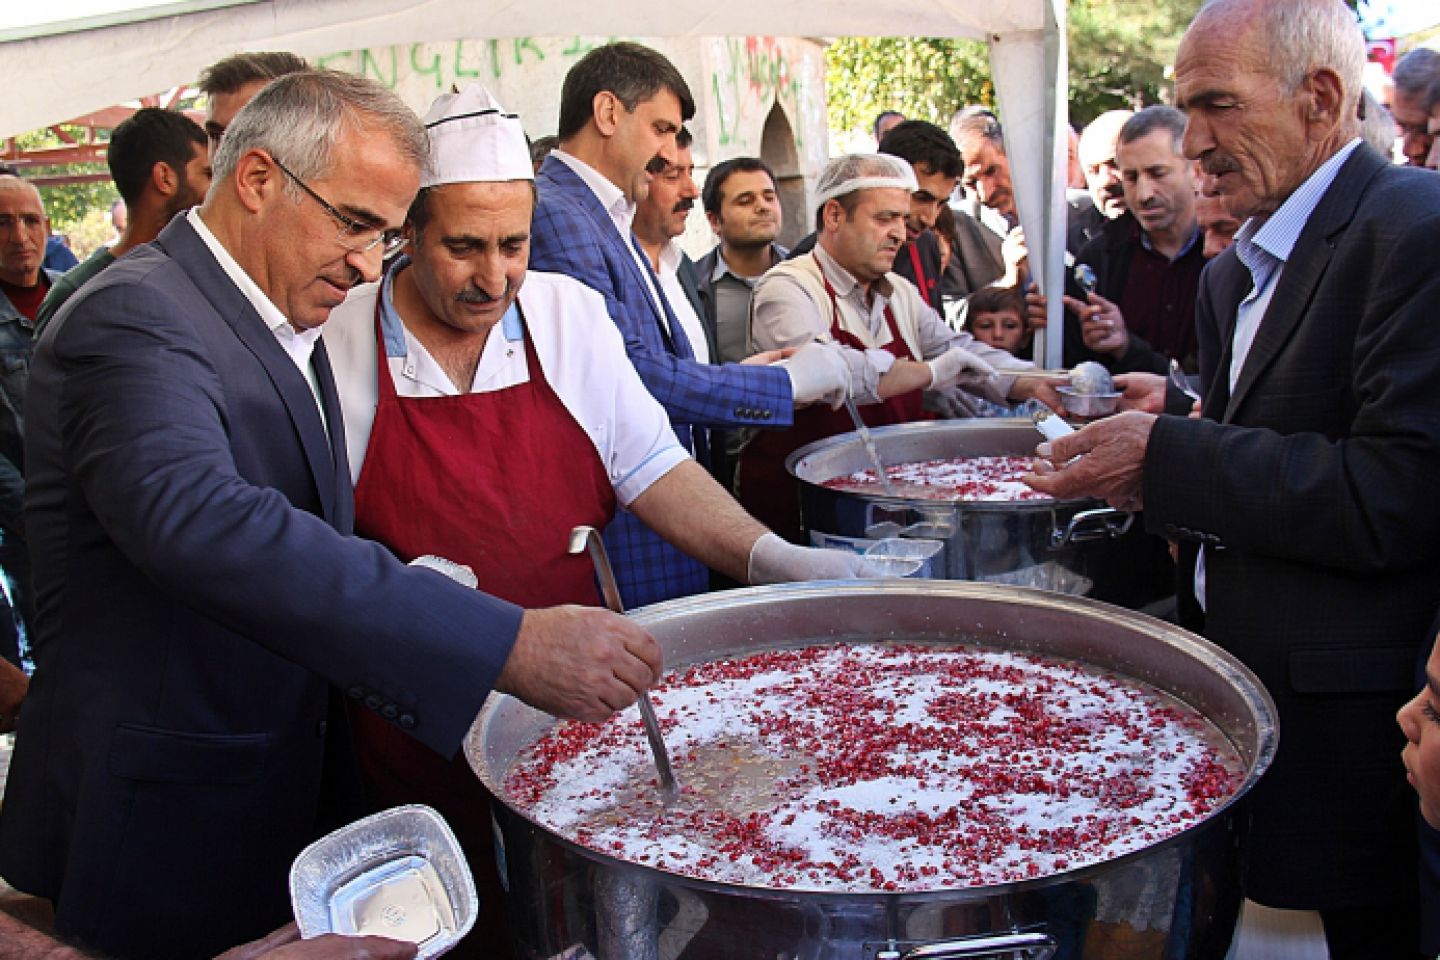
(1169, 900)
(1072, 546)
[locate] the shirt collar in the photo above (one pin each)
(1189, 244)
(269, 313)
(670, 254)
(842, 280)
(392, 329)
(611, 197)
(777, 253)
(1278, 234)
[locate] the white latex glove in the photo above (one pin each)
(772, 560)
(954, 364)
(818, 373)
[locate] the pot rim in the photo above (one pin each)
(1222, 662)
(921, 428)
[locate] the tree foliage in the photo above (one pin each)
(925, 78)
(68, 204)
(1120, 52)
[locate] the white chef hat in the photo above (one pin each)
(472, 139)
(863, 171)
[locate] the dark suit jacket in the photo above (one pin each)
(574, 235)
(198, 596)
(1313, 487)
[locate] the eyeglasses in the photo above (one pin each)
(353, 235)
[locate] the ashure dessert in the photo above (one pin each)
(880, 767)
(955, 478)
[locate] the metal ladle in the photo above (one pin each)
(582, 538)
(869, 444)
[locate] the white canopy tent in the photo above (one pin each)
(67, 69)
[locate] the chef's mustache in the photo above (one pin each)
(473, 294)
(685, 206)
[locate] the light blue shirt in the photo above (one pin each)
(1263, 246)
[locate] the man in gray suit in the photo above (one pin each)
(1309, 480)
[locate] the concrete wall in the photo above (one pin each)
(754, 96)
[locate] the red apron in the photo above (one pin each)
(494, 481)
(763, 485)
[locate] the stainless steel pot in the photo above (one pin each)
(1079, 547)
(1164, 901)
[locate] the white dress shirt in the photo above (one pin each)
(297, 344)
(622, 214)
(669, 272)
(584, 362)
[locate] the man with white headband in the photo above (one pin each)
(489, 410)
(896, 345)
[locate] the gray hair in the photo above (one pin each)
(1377, 126)
(1416, 72)
(299, 118)
(976, 122)
(1151, 119)
(1303, 36)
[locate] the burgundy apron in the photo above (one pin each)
(763, 485)
(494, 481)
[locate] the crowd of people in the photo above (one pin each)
(333, 338)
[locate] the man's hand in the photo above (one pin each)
(1111, 464)
(285, 944)
(1037, 308)
(580, 663)
(1142, 391)
(13, 684)
(1038, 388)
(772, 560)
(818, 372)
(1015, 254)
(958, 366)
(1102, 325)
(766, 357)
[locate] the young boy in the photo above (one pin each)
(996, 316)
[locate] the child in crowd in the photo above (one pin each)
(996, 316)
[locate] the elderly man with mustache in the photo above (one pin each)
(1309, 478)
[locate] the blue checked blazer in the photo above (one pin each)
(1312, 486)
(573, 234)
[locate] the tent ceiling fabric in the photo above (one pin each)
(65, 75)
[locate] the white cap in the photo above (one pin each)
(473, 140)
(863, 171)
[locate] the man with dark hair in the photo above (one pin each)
(158, 161)
(1308, 480)
(621, 107)
(937, 165)
(743, 206)
(887, 121)
(845, 292)
(1141, 314)
(230, 83)
(1414, 75)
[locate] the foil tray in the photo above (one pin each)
(398, 874)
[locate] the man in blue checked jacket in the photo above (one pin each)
(621, 106)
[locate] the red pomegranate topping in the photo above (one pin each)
(958, 478)
(868, 767)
